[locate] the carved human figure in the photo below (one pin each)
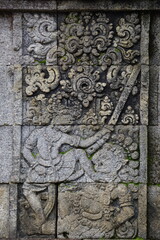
(42, 151)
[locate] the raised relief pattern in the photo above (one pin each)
(81, 92)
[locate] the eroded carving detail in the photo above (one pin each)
(38, 209)
(42, 29)
(98, 210)
(38, 78)
(130, 117)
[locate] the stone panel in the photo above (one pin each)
(85, 117)
(98, 210)
(92, 78)
(84, 154)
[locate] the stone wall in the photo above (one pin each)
(79, 119)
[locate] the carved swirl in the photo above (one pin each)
(36, 79)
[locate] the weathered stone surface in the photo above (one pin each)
(154, 212)
(97, 210)
(37, 209)
(85, 69)
(4, 211)
(154, 40)
(5, 153)
(108, 5)
(50, 5)
(153, 95)
(6, 85)
(75, 90)
(144, 96)
(13, 210)
(142, 211)
(62, 153)
(154, 155)
(47, 5)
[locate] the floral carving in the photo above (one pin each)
(106, 108)
(130, 117)
(93, 62)
(80, 35)
(42, 29)
(83, 84)
(37, 79)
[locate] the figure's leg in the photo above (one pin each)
(35, 202)
(86, 164)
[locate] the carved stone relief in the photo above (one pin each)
(81, 125)
(97, 210)
(38, 209)
(57, 153)
(94, 69)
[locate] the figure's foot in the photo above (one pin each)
(48, 227)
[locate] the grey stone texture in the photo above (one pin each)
(6, 143)
(6, 83)
(79, 119)
(4, 211)
(154, 212)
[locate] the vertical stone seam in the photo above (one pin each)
(145, 24)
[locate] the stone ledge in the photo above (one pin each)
(28, 5)
(63, 5)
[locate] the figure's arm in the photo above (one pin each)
(28, 147)
(102, 134)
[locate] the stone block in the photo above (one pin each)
(98, 210)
